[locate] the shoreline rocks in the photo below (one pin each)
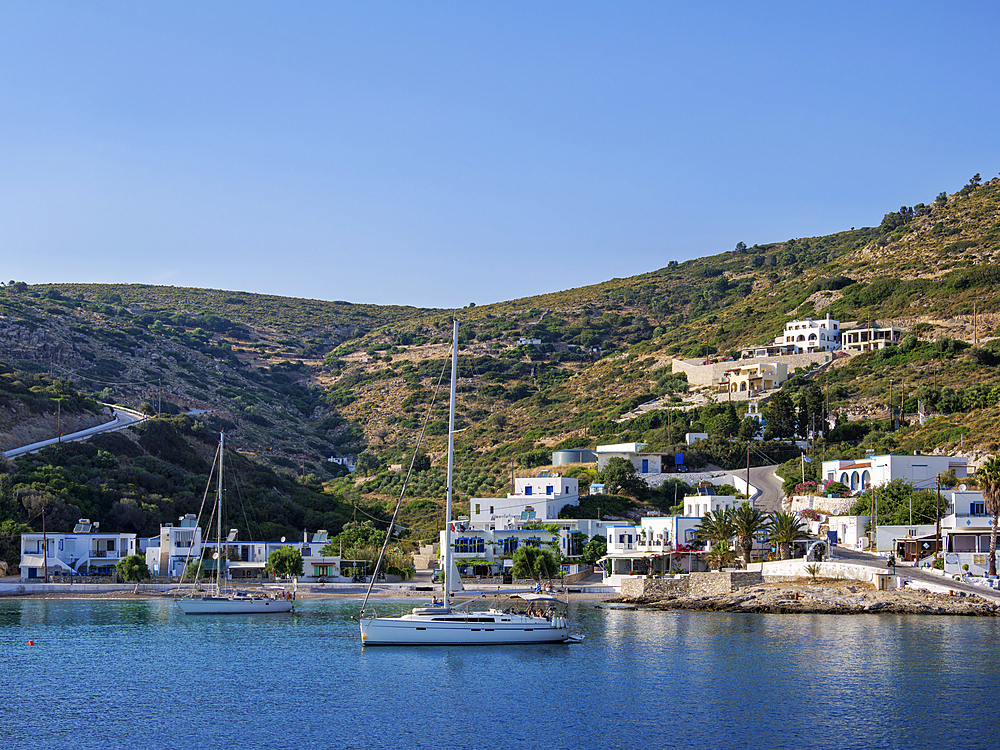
(835, 597)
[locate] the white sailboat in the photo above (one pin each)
(220, 601)
(443, 624)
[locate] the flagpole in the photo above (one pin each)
(802, 463)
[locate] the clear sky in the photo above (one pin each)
(436, 154)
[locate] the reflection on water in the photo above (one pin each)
(104, 673)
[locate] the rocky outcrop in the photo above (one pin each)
(830, 597)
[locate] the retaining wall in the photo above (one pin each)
(645, 588)
(724, 582)
(830, 506)
(693, 584)
(783, 570)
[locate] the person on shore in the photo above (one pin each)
(891, 563)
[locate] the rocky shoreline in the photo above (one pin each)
(823, 596)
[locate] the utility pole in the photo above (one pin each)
(871, 514)
(752, 503)
(159, 403)
(59, 428)
(45, 547)
(937, 517)
(902, 406)
(891, 411)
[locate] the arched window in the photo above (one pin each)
(866, 479)
(855, 479)
(801, 338)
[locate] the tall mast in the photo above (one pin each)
(218, 514)
(451, 460)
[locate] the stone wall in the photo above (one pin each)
(582, 575)
(784, 570)
(694, 584)
(829, 506)
(724, 582)
(654, 588)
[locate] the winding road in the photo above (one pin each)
(123, 418)
(764, 479)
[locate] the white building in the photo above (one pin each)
(920, 470)
(535, 499)
(699, 506)
(85, 550)
(811, 335)
(644, 463)
(657, 546)
(347, 461)
(965, 534)
(850, 530)
(167, 554)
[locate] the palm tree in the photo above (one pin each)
(989, 482)
(720, 556)
(716, 528)
(783, 529)
(747, 521)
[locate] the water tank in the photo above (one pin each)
(574, 456)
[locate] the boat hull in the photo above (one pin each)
(234, 606)
(404, 631)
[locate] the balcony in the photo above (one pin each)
(95, 553)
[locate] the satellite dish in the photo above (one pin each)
(282, 539)
(962, 488)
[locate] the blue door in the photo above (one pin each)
(645, 466)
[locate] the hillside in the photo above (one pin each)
(295, 381)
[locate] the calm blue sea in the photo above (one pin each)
(140, 674)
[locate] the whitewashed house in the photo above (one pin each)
(644, 463)
(698, 506)
(657, 546)
(167, 554)
(919, 469)
(535, 499)
(85, 550)
(811, 335)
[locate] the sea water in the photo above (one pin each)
(141, 674)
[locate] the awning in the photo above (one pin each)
(246, 566)
(38, 561)
(536, 598)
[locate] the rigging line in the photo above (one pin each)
(187, 559)
(402, 492)
(242, 502)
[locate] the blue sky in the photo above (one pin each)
(437, 154)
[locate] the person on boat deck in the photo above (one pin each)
(538, 587)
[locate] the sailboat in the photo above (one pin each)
(226, 602)
(443, 624)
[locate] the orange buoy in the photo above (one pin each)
(31, 643)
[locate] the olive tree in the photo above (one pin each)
(285, 562)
